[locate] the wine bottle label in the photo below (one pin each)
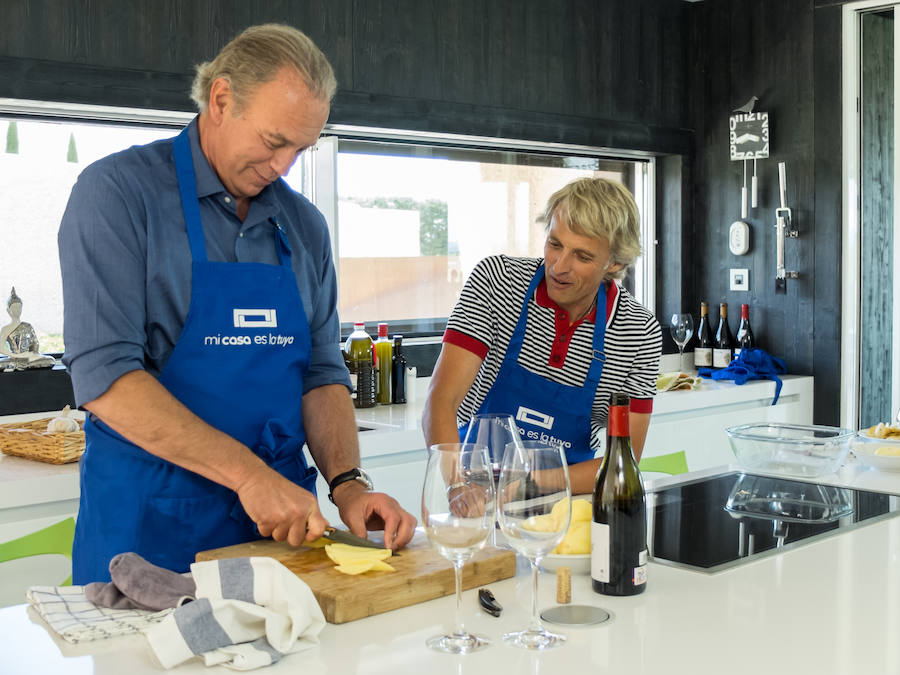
(639, 576)
(702, 356)
(721, 358)
(600, 552)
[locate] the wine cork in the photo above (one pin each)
(563, 585)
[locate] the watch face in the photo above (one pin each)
(365, 479)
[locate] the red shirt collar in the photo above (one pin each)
(542, 297)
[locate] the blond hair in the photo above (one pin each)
(599, 207)
(256, 56)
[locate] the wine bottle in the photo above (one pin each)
(619, 527)
(359, 355)
(398, 372)
(703, 350)
(745, 338)
(384, 364)
(723, 348)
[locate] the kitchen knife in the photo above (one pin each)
(345, 537)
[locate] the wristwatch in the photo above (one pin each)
(356, 474)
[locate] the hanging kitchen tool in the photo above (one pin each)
(784, 227)
(749, 140)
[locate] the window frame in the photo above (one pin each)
(319, 181)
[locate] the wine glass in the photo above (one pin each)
(496, 431)
(458, 511)
(534, 478)
(682, 327)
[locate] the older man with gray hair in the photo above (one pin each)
(201, 327)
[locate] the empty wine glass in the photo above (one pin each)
(682, 328)
(495, 431)
(534, 477)
(458, 511)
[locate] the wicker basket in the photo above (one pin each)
(31, 441)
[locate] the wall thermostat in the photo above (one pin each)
(739, 237)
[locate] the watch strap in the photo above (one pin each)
(352, 474)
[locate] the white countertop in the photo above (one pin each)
(831, 606)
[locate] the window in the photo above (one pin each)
(411, 214)
(43, 148)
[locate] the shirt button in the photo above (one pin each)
(555, 358)
(227, 200)
(241, 234)
(562, 338)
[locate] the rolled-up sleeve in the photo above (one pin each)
(102, 254)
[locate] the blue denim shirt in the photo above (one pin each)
(126, 263)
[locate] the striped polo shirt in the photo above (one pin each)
(485, 316)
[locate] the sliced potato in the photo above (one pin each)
(357, 567)
(342, 553)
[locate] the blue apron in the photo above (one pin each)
(239, 365)
(546, 410)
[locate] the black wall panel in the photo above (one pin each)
(787, 54)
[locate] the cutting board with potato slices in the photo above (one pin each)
(421, 574)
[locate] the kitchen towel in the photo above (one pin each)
(138, 584)
(750, 364)
(67, 610)
(249, 612)
(676, 381)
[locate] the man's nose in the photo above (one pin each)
(563, 262)
(282, 161)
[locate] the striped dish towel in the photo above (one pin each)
(249, 612)
(76, 620)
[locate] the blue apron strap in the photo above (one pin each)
(187, 186)
(518, 336)
(599, 357)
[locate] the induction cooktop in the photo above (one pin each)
(719, 522)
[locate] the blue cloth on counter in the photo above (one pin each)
(127, 267)
(750, 364)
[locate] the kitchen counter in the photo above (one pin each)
(830, 606)
(34, 495)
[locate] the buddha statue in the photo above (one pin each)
(19, 342)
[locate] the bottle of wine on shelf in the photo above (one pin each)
(703, 350)
(723, 348)
(384, 364)
(359, 355)
(619, 527)
(398, 372)
(745, 339)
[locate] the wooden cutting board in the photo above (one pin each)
(422, 574)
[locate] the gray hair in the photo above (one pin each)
(256, 56)
(599, 207)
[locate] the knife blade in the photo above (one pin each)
(345, 537)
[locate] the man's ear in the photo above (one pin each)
(221, 99)
(612, 270)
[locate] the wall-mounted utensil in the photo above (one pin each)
(784, 227)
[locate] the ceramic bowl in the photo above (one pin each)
(878, 453)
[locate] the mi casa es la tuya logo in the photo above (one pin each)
(256, 320)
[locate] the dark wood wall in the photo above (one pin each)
(654, 75)
(579, 71)
(788, 53)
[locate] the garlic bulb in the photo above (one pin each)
(63, 423)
